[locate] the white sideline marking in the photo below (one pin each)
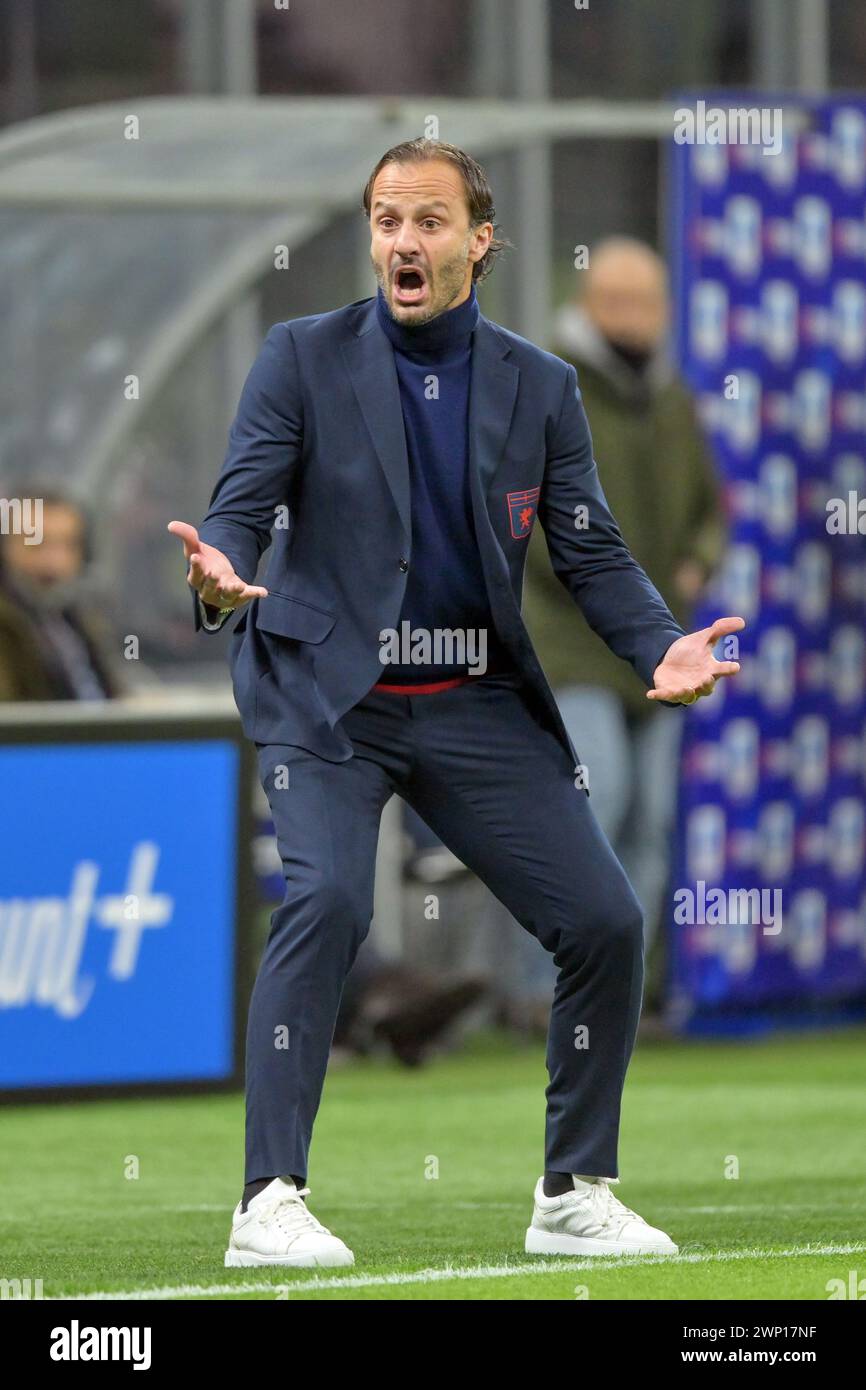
(226, 1209)
(762, 1206)
(541, 1265)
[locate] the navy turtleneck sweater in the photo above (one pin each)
(445, 588)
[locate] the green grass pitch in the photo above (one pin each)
(428, 1176)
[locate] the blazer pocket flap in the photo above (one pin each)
(291, 617)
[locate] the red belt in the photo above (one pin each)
(423, 689)
(434, 687)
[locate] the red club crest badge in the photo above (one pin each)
(521, 511)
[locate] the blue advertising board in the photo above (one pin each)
(118, 911)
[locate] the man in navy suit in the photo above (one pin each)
(397, 452)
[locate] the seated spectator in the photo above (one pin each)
(52, 646)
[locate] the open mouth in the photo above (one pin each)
(410, 285)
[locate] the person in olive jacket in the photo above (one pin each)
(661, 485)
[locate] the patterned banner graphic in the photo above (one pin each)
(767, 916)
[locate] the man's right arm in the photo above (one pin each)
(265, 442)
(208, 618)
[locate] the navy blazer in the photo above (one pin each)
(317, 463)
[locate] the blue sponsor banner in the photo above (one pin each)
(768, 916)
(117, 912)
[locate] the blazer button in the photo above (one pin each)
(404, 564)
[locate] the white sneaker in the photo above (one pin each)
(277, 1229)
(591, 1221)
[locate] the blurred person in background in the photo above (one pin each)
(52, 647)
(661, 485)
(398, 1005)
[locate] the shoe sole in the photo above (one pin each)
(550, 1243)
(245, 1259)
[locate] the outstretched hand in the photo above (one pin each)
(689, 669)
(211, 573)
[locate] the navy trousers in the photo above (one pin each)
(494, 782)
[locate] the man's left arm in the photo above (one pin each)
(587, 550)
(590, 557)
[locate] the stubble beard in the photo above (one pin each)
(444, 289)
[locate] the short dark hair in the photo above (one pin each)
(479, 196)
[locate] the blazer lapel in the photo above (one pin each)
(492, 396)
(370, 362)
